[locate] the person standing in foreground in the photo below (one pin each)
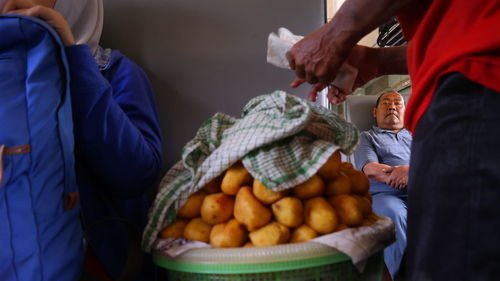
(453, 58)
(117, 135)
(383, 154)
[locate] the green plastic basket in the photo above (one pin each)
(290, 262)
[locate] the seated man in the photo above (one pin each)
(383, 155)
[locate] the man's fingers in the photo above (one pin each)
(313, 92)
(291, 60)
(13, 5)
(297, 82)
(311, 79)
(300, 72)
(35, 11)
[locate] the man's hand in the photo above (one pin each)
(398, 177)
(52, 17)
(369, 63)
(377, 171)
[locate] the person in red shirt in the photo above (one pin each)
(453, 59)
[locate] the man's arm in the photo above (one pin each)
(377, 171)
(317, 58)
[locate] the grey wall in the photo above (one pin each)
(205, 57)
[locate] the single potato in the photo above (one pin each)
(359, 181)
(266, 195)
(341, 227)
(346, 207)
(192, 207)
(236, 176)
(288, 211)
(346, 166)
(217, 208)
(331, 168)
(312, 187)
(273, 233)
(364, 204)
(320, 215)
(303, 233)
(228, 235)
(371, 219)
(340, 185)
(214, 185)
(174, 230)
(249, 211)
(197, 229)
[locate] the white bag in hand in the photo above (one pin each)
(279, 44)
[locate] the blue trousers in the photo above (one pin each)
(393, 207)
(454, 186)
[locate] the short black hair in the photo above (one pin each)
(385, 92)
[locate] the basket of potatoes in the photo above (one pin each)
(265, 197)
(238, 212)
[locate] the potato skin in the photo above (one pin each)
(174, 230)
(228, 235)
(320, 215)
(249, 211)
(288, 211)
(192, 207)
(235, 177)
(312, 187)
(217, 208)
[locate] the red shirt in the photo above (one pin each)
(449, 36)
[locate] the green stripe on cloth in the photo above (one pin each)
(281, 139)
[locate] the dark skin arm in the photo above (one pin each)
(317, 58)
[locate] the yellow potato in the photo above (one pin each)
(248, 244)
(359, 181)
(340, 185)
(192, 207)
(228, 235)
(266, 195)
(341, 227)
(364, 204)
(345, 166)
(371, 219)
(214, 185)
(273, 233)
(347, 209)
(174, 230)
(249, 211)
(217, 208)
(288, 211)
(312, 187)
(331, 168)
(303, 233)
(235, 177)
(197, 229)
(320, 215)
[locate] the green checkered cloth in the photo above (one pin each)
(282, 140)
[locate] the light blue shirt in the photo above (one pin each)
(385, 147)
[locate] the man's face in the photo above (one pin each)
(390, 112)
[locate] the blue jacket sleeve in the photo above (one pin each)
(117, 132)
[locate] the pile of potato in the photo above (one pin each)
(235, 210)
